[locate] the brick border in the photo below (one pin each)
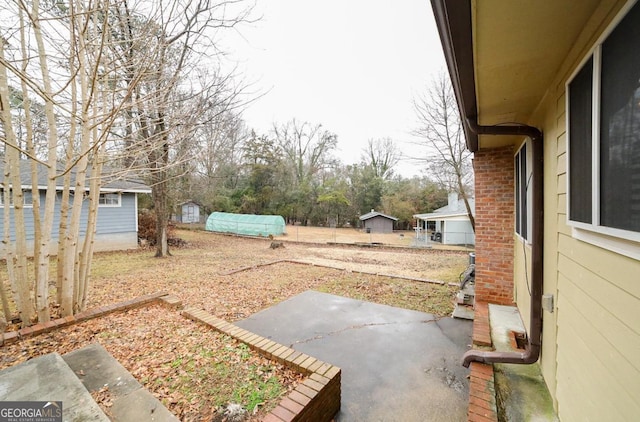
(41, 328)
(317, 398)
(482, 392)
(481, 326)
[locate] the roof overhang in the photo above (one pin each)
(504, 55)
(438, 217)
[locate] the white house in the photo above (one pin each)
(450, 224)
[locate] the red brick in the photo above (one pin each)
(481, 368)
(291, 405)
(271, 418)
(481, 395)
(306, 391)
(284, 414)
(299, 398)
(481, 403)
(474, 417)
(313, 384)
(10, 336)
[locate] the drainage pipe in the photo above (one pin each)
(532, 351)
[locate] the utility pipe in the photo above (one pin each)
(532, 351)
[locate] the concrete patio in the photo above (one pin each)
(397, 364)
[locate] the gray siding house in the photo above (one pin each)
(377, 222)
(117, 224)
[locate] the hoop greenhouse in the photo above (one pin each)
(246, 224)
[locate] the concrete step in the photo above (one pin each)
(96, 368)
(462, 311)
(48, 378)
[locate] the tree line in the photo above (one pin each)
(293, 171)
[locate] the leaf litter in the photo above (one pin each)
(197, 372)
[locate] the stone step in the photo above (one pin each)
(96, 368)
(48, 378)
(463, 312)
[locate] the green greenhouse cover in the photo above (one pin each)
(247, 224)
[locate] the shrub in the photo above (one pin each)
(147, 230)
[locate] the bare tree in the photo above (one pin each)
(96, 82)
(307, 150)
(173, 97)
(382, 155)
(441, 132)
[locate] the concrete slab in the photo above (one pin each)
(96, 368)
(49, 378)
(521, 392)
(396, 364)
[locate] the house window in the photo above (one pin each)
(603, 108)
(523, 192)
(109, 200)
(27, 199)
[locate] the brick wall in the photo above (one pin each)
(494, 194)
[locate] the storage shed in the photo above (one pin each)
(189, 212)
(246, 224)
(377, 222)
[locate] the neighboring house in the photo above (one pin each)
(449, 224)
(117, 224)
(189, 212)
(558, 198)
(377, 222)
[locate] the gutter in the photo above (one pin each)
(532, 351)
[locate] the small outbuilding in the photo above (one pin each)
(377, 222)
(189, 212)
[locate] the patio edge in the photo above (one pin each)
(317, 398)
(482, 392)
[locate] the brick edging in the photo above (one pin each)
(317, 398)
(481, 326)
(44, 327)
(482, 392)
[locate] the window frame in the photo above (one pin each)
(622, 241)
(109, 205)
(25, 204)
(527, 194)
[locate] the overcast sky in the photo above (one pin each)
(352, 65)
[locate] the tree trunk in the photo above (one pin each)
(16, 258)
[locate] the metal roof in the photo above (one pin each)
(372, 214)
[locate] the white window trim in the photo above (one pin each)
(119, 204)
(528, 184)
(24, 205)
(623, 242)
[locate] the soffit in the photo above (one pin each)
(519, 46)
